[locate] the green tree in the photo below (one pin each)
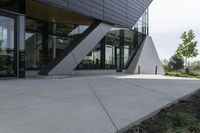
(165, 63)
(195, 65)
(188, 47)
(176, 62)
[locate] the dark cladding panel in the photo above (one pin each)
(87, 7)
(57, 3)
(121, 12)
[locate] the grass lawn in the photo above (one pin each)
(182, 117)
(193, 74)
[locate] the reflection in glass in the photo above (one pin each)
(142, 25)
(46, 40)
(33, 49)
(122, 39)
(92, 60)
(110, 57)
(7, 50)
(57, 44)
(126, 54)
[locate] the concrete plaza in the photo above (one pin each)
(91, 104)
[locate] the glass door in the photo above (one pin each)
(7, 45)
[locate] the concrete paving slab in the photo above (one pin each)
(175, 86)
(126, 103)
(96, 104)
(49, 106)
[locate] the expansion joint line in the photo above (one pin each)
(149, 89)
(98, 98)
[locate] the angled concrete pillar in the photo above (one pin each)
(146, 60)
(72, 57)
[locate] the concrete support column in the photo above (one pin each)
(20, 46)
(54, 41)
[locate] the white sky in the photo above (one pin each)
(169, 19)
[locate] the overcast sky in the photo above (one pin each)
(168, 19)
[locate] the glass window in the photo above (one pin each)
(57, 44)
(129, 45)
(46, 40)
(135, 27)
(7, 47)
(33, 25)
(60, 29)
(33, 50)
(114, 50)
(126, 54)
(92, 60)
(140, 26)
(109, 57)
(113, 37)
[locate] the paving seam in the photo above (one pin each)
(149, 89)
(102, 105)
(97, 97)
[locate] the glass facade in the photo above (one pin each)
(142, 26)
(113, 51)
(46, 40)
(7, 45)
(117, 47)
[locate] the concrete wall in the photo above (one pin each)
(121, 12)
(93, 72)
(146, 60)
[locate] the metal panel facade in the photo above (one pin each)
(121, 12)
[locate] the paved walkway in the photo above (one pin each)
(93, 104)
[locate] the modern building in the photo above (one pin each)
(69, 37)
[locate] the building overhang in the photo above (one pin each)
(38, 10)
